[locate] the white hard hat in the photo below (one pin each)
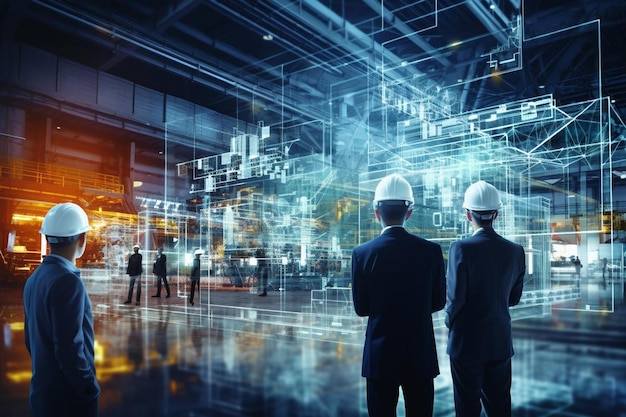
(64, 221)
(482, 196)
(393, 187)
(136, 246)
(198, 252)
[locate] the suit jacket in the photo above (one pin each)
(159, 267)
(261, 259)
(58, 329)
(134, 267)
(398, 280)
(195, 270)
(485, 277)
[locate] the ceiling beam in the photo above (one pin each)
(356, 43)
(179, 62)
(236, 53)
(415, 38)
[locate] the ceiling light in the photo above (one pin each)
(137, 184)
(268, 37)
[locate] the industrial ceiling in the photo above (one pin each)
(289, 62)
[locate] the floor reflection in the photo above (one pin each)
(165, 358)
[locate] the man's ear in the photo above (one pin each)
(469, 215)
(408, 214)
(495, 216)
(377, 213)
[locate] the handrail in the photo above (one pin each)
(40, 173)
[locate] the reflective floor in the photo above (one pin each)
(271, 357)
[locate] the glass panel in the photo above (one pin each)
(540, 157)
(307, 214)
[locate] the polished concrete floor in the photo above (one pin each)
(269, 356)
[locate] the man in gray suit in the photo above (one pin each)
(485, 277)
(398, 281)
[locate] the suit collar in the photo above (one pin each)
(53, 258)
(392, 229)
(484, 231)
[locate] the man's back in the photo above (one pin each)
(485, 277)
(59, 336)
(398, 281)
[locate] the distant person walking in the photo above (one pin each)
(604, 263)
(134, 270)
(577, 265)
(160, 270)
(195, 276)
(262, 269)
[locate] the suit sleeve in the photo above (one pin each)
(518, 286)
(359, 288)
(69, 342)
(26, 336)
(457, 284)
(439, 283)
(195, 271)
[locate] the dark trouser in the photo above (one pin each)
(64, 407)
(488, 381)
(263, 273)
(382, 397)
(194, 283)
(167, 287)
(134, 278)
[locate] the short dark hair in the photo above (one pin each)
(483, 218)
(62, 243)
(393, 211)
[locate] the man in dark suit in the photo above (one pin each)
(485, 277)
(195, 275)
(134, 270)
(262, 269)
(398, 281)
(160, 270)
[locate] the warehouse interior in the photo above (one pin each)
(222, 127)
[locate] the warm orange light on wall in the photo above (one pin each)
(23, 218)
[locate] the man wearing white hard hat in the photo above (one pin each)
(58, 322)
(398, 281)
(159, 268)
(195, 275)
(485, 277)
(134, 270)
